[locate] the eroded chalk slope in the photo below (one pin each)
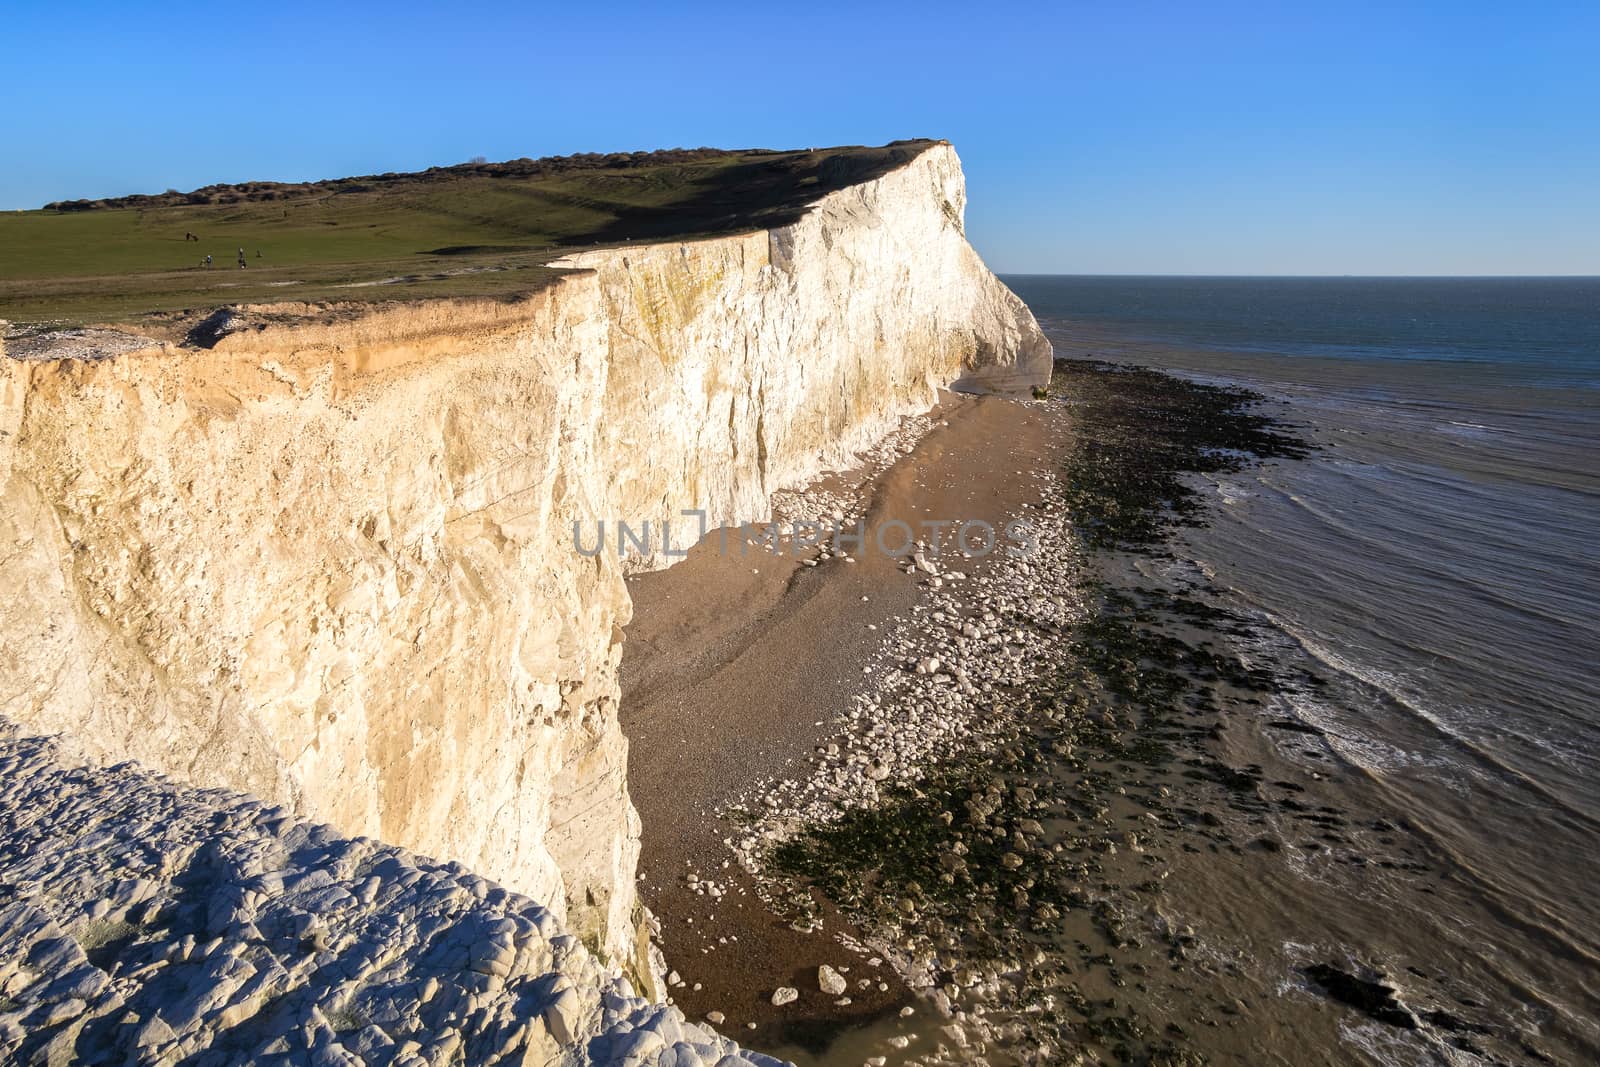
(143, 921)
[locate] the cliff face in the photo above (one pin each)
(333, 565)
(751, 363)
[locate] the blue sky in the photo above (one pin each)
(1451, 138)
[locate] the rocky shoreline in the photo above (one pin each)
(970, 789)
(1054, 809)
(1038, 749)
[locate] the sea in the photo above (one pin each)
(1436, 559)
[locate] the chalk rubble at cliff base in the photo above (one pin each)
(936, 690)
(936, 676)
(143, 921)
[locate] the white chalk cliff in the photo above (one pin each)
(332, 563)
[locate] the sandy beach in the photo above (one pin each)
(734, 668)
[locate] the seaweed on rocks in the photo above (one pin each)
(1013, 881)
(1144, 433)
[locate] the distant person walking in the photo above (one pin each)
(243, 263)
(208, 262)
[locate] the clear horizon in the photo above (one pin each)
(1450, 140)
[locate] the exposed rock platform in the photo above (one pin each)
(143, 921)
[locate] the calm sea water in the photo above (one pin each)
(1438, 558)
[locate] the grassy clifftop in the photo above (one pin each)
(474, 229)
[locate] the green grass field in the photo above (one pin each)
(470, 230)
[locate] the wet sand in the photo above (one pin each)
(1206, 875)
(733, 670)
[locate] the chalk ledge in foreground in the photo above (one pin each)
(146, 922)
